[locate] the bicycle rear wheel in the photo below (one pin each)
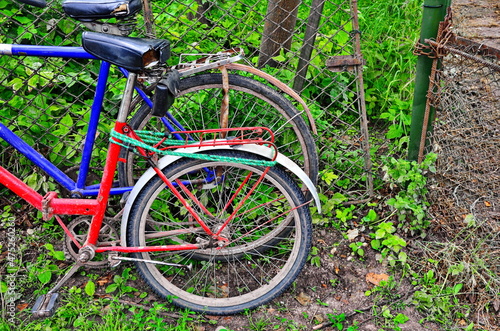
(251, 103)
(268, 240)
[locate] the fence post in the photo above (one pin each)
(434, 12)
(308, 45)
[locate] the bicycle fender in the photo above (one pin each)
(276, 82)
(254, 149)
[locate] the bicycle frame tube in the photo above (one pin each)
(167, 120)
(51, 204)
(64, 52)
(38, 159)
(45, 51)
(95, 113)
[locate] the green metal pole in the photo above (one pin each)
(434, 12)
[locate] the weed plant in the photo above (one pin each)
(390, 30)
(451, 273)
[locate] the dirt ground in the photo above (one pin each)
(339, 283)
(478, 20)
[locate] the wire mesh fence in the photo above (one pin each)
(46, 100)
(466, 135)
(464, 192)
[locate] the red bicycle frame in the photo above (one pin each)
(51, 205)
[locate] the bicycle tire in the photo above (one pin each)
(198, 106)
(222, 283)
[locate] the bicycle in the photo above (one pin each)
(255, 104)
(217, 225)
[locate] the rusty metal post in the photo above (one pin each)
(433, 13)
(148, 19)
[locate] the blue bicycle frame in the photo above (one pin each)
(77, 188)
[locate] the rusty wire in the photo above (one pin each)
(466, 137)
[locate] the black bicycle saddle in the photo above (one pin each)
(133, 54)
(90, 10)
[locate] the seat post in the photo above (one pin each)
(127, 98)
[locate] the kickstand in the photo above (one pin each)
(45, 304)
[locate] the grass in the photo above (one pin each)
(455, 275)
(79, 312)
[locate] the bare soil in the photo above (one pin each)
(335, 285)
(339, 283)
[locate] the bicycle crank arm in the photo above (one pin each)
(122, 258)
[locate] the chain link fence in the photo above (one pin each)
(466, 135)
(312, 46)
(464, 192)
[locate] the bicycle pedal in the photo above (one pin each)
(45, 305)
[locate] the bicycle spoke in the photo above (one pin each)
(262, 227)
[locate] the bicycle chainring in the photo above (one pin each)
(79, 228)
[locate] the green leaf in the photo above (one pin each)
(279, 58)
(45, 276)
(328, 177)
(22, 20)
(371, 216)
(90, 288)
(59, 255)
(67, 120)
(457, 288)
(470, 220)
(402, 257)
(338, 198)
(17, 83)
(401, 318)
(394, 131)
(386, 312)
(375, 244)
(380, 233)
(111, 288)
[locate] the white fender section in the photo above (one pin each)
(254, 149)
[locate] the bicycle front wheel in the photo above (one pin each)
(267, 240)
(251, 103)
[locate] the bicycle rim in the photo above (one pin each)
(268, 245)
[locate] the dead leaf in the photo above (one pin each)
(375, 279)
(487, 204)
(352, 234)
(22, 306)
(319, 318)
(101, 281)
(303, 299)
